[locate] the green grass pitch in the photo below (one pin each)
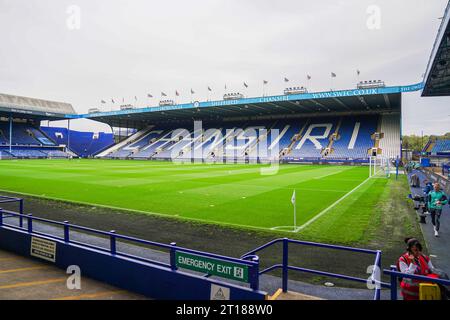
(230, 194)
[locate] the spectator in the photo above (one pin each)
(436, 199)
(415, 181)
(413, 261)
(428, 188)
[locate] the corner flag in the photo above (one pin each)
(293, 201)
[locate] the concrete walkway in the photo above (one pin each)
(28, 279)
(438, 247)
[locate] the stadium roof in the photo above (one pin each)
(23, 107)
(342, 101)
(437, 75)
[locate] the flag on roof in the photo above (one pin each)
(192, 91)
(149, 95)
(209, 88)
(358, 72)
(112, 100)
(103, 101)
(333, 75)
(163, 94)
(265, 82)
(286, 80)
(308, 77)
(245, 85)
(177, 93)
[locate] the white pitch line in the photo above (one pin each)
(331, 206)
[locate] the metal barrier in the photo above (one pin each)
(252, 264)
(5, 199)
(394, 274)
(250, 260)
(374, 279)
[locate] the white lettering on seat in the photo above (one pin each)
(314, 139)
(352, 142)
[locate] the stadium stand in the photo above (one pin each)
(311, 139)
(23, 134)
(314, 139)
(56, 154)
(5, 155)
(429, 146)
(20, 132)
(390, 142)
(84, 144)
(28, 153)
(354, 138)
(28, 141)
(441, 147)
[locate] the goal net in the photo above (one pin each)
(379, 167)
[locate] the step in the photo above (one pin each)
(290, 295)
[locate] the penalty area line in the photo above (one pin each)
(330, 207)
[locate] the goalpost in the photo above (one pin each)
(379, 167)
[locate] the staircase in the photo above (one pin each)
(296, 137)
(125, 142)
(333, 137)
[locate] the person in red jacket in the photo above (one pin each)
(413, 261)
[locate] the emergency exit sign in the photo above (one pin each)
(215, 267)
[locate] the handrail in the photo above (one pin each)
(14, 199)
(11, 198)
(308, 243)
(250, 259)
(444, 282)
(374, 277)
(396, 274)
(252, 262)
(128, 238)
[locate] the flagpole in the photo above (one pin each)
(294, 202)
(295, 213)
(295, 216)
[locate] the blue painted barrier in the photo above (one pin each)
(151, 278)
(394, 274)
(374, 277)
(154, 278)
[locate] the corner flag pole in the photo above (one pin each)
(294, 202)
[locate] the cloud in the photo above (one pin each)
(129, 48)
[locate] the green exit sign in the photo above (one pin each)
(215, 267)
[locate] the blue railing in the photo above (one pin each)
(19, 201)
(253, 264)
(374, 278)
(394, 274)
(250, 259)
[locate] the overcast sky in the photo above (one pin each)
(122, 49)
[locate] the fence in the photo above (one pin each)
(374, 279)
(249, 262)
(394, 274)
